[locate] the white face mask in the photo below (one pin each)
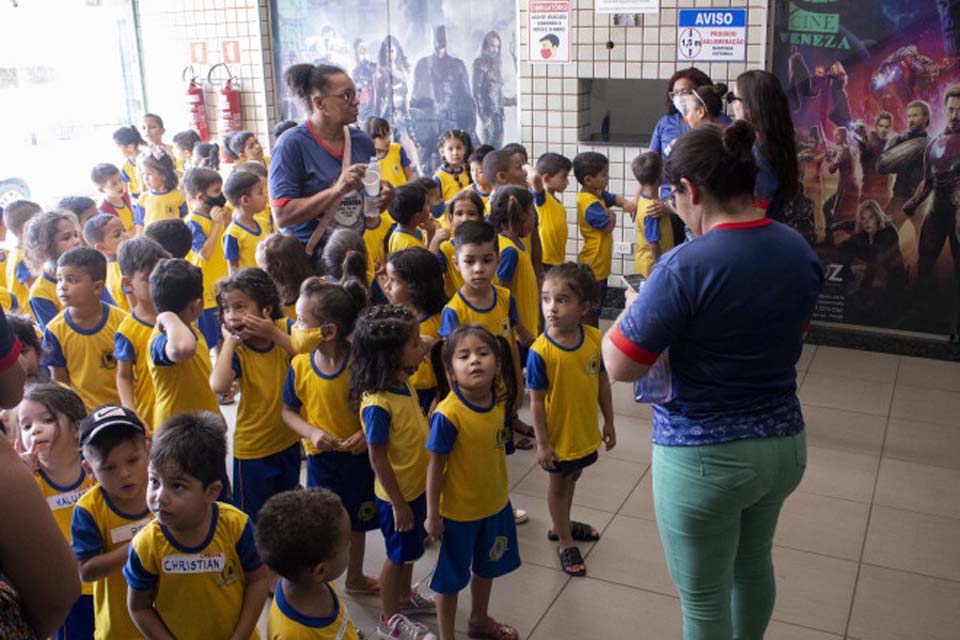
(680, 104)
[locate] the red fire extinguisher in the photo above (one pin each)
(230, 118)
(196, 104)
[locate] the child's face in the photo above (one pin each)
(557, 182)
(67, 237)
(257, 200)
(129, 150)
(526, 223)
(213, 191)
(381, 144)
(474, 364)
(177, 499)
(599, 182)
(139, 284)
(237, 305)
(75, 287)
(42, 432)
(477, 264)
(30, 360)
(434, 197)
(476, 172)
(252, 149)
(113, 188)
(123, 471)
(305, 316)
(152, 131)
(113, 235)
(562, 308)
(183, 153)
(154, 179)
(452, 151)
(464, 210)
(424, 216)
(414, 351)
(396, 288)
(516, 175)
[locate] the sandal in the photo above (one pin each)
(570, 557)
(523, 443)
(579, 531)
(372, 588)
(521, 427)
(494, 631)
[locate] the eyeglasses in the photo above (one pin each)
(349, 96)
(731, 97)
(691, 92)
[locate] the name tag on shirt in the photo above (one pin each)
(65, 500)
(126, 532)
(194, 563)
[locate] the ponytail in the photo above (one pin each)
(719, 161)
(345, 262)
(508, 205)
(305, 78)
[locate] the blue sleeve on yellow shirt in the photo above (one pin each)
(14, 302)
(247, 549)
(290, 397)
(138, 214)
(512, 314)
(183, 209)
(597, 216)
(43, 310)
(404, 158)
(539, 199)
(536, 371)
(507, 268)
(609, 199)
(123, 349)
(436, 180)
(199, 237)
(448, 321)
(377, 423)
(52, 352)
(85, 536)
(23, 272)
(443, 261)
(442, 435)
(158, 351)
(107, 297)
(138, 578)
(231, 249)
(651, 229)
(235, 365)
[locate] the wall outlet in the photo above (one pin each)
(623, 248)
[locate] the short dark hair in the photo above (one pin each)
(175, 283)
(235, 142)
(254, 282)
(297, 530)
(553, 163)
(91, 260)
(76, 204)
(128, 135)
(140, 254)
(589, 164)
(421, 270)
(197, 180)
(172, 234)
(155, 117)
(408, 202)
(474, 232)
(428, 183)
(552, 39)
(240, 183)
(514, 148)
(17, 214)
(194, 443)
(254, 166)
(186, 139)
(480, 153)
(497, 161)
(883, 115)
(103, 172)
(96, 227)
(951, 92)
(377, 127)
(25, 331)
(648, 168)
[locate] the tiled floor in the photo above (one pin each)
(868, 548)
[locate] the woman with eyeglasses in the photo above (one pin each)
(314, 189)
(704, 105)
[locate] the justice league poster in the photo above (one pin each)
(425, 66)
(874, 87)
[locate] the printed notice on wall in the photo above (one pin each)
(712, 35)
(626, 6)
(549, 32)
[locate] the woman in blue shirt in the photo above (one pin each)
(732, 307)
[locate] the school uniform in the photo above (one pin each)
(131, 343)
(159, 205)
(180, 386)
(553, 228)
(499, 318)
(392, 165)
(124, 211)
(401, 239)
(284, 622)
(240, 243)
(516, 267)
(424, 380)
(114, 285)
(214, 269)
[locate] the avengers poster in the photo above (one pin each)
(425, 66)
(874, 87)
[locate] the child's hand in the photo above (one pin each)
(228, 336)
(355, 444)
(323, 441)
(430, 225)
(379, 269)
(609, 435)
(434, 526)
(220, 215)
(546, 455)
(402, 517)
(261, 326)
(442, 235)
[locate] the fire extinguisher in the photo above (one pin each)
(196, 104)
(230, 118)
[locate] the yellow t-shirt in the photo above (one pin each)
(8, 301)
(483, 196)
(214, 269)
(553, 230)
(159, 205)
(44, 290)
(322, 400)
(115, 285)
(290, 310)
(286, 623)
(400, 240)
(124, 211)
(130, 175)
(240, 243)
(474, 440)
(571, 380)
(597, 249)
(260, 429)
(526, 289)
(499, 319)
(87, 355)
(131, 343)
(643, 260)
(392, 164)
(98, 528)
(182, 386)
(452, 279)
(62, 501)
(394, 418)
(198, 592)
(3, 268)
(17, 272)
(373, 238)
(424, 377)
(451, 182)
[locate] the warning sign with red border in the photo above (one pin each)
(712, 35)
(549, 32)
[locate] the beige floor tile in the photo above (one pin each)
(853, 363)
(915, 542)
(624, 403)
(828, 526)
(603, 611)
(630, 553)
(604, 486)
(633, 439)
(928, 405)
(840, 474)
(640, 502)
(932, 374)
(806, 357)
(534, 546)
(849, 394)
(519, 465)
(893, 605)
(917, 487)
(847, 430)
(923, 442)
(783, 631)
(813, 590)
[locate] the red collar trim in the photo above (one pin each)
(335, 154)
(750, 224)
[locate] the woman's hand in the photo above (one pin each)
(350, 179)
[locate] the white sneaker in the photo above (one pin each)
(400, 627)
(520, 516)
(418, 604)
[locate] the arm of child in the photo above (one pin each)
(408, 172)
(629, 206)
(103, 565)
(181, 342)
(434, 523)
(263, 326)
(145, 617)
(317, 436)
(402, 514)
(254, 596)
(223, 375)
(59, 374)
(125, 383)
(606, 408)
(546, 455)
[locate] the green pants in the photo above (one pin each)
(717, 508)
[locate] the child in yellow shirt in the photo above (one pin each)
(554, 171)
(245, 191)
(654, 233)
(395, 165)
(105, 234)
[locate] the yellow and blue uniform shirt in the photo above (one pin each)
(592, 219)
(451, 182)
(516, 267)
(8, 301)
(483, 196)
(240, 243)
(159, 205)
(62, 502)
(86, 354)
(214, 269)
(553, 228)
(474, 440)
(393, 417)
(290, 310)
(43, 300)
(373, 238)
(650, 230)
(130, 176)
(18, 274)
(124, 211)
(198, 591)
(570, 378)
(321, 399)
(452, 279)
(115, 285)
(286, 623)
(3, 268)
(131, 343)
(99, 527)
(180, 386)
(424, 377)
(401, 239)
(499, 318)
(392, 164)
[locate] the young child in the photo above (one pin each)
(411, 211)
(284, 260)
(244, 190)
(256, 351)
(115, 201)
(183, 145)
(161, 198)
(468, 502)
(554, 171)
(16, 216)
(179, 358)
(304, 536)
(47, 237)
(264, 216)
(391, 156)
(480, 185)
(208, 221)
(78, 342)
(386, 350)
(151, 126)
(375, 232)
(206, 155)
(31, 346)
(106, 518)
(511, 214)
(654, 235)
(466, 205)
(131, 342)
(173, 235)
(344, 257)
(315, 405)
(129, 141)
(81, 206)
(49, 416)
(595, 220)
(434, 198)
(194, 572)
(567, 381)
(508, 166)
(105, 234)
(452, 177)
(414, 280)
(243, 146)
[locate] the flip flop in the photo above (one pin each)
(524, 443)
(579, 531)
(570, 557)
(495, 631)
(373, 588)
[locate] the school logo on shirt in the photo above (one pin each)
(194, 563)
(367, 510)
(228, 576)
(505, 327)
(65, 500)
(107, 361)
(126, 532)
(503, 436)
(500, 546)
(593, 366)
(171, 212)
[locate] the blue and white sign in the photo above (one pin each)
(712, 35)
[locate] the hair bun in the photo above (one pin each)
(738, 140)
(720, 89)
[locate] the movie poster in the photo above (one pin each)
(874, 87)
(424, 65)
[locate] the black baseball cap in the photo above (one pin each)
(108, 417)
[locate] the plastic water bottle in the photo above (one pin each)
(371, 189)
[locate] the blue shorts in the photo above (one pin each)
(487, 546)
(407, 546)
(351, 478)
(570, 467)
(209, 325)
(256, 480)
(80, 621)
(426, 396)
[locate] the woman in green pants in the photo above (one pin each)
(713, 338)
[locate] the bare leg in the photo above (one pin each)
(391, 588)
(480, 602)
(355, 578)
(559, 499)
(446, 614)
(406, 581)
